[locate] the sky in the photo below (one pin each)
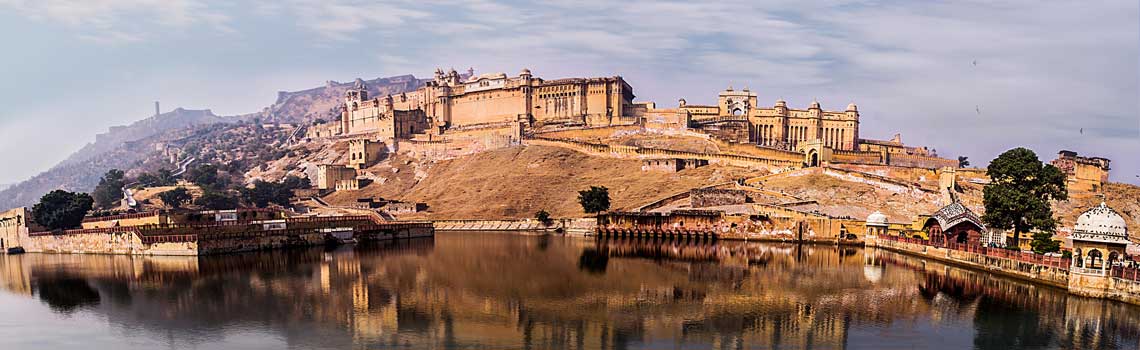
(971, 78)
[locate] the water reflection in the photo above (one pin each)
(494, 290)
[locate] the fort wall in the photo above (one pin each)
(917, 161)
(643, 153)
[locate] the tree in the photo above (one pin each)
(594, 200)
(216, 200)
(1019, 192)
(544, 217)
(109, 190)
(1043, 243)
(61, 209)
(175, 198)
(963, 161)
(205, 175)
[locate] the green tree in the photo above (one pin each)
(61, 209)
(216, 200)
(109, 190)
(963, 161)
(175, 198)
(205, 175)
(1019, 192)
(544, 217)
(594, 200)
(1043, 243)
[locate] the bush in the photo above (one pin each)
(544, 217)
(175, 198)
(215, 200)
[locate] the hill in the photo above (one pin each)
(138, 145)
(516, 182)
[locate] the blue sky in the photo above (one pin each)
(1045, 69)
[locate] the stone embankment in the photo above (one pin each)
(1050, 271)
(1115, 283)
(220, 237)
(581, 226)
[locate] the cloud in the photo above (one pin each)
(120, 21)
(340, 21)
(1044, 69)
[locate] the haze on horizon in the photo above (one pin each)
(969, 78)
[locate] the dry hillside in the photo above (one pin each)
(516, 182)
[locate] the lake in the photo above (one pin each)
(501, 290)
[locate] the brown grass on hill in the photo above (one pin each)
(841, 198)
(519, 181)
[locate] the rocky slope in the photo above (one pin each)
(134, 146)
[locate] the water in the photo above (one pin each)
(509, 291)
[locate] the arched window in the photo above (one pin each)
(1077, 258)
(1096, 260)
(1113, 258)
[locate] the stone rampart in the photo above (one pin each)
(856, 157)
(776, 163)
(916, 161)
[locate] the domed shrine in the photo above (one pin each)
(1100, 238)
(876, 224)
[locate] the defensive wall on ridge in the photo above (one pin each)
(780, 162)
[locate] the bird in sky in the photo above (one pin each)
(975, 63)
(978, 109)
(1082, 131)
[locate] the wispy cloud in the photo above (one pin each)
(1044, 69)
(120, 21)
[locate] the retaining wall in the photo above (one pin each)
(1057, 276)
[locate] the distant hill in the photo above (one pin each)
(131, 146)
(324, 102)
(117, 135)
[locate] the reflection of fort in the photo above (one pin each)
(551, 292)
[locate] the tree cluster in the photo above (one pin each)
(61, 209)
(110, 189)
(263, 192)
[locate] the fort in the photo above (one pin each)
(487, 111)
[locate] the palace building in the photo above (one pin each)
(487, 100)
(454, 110)
(779, 126)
